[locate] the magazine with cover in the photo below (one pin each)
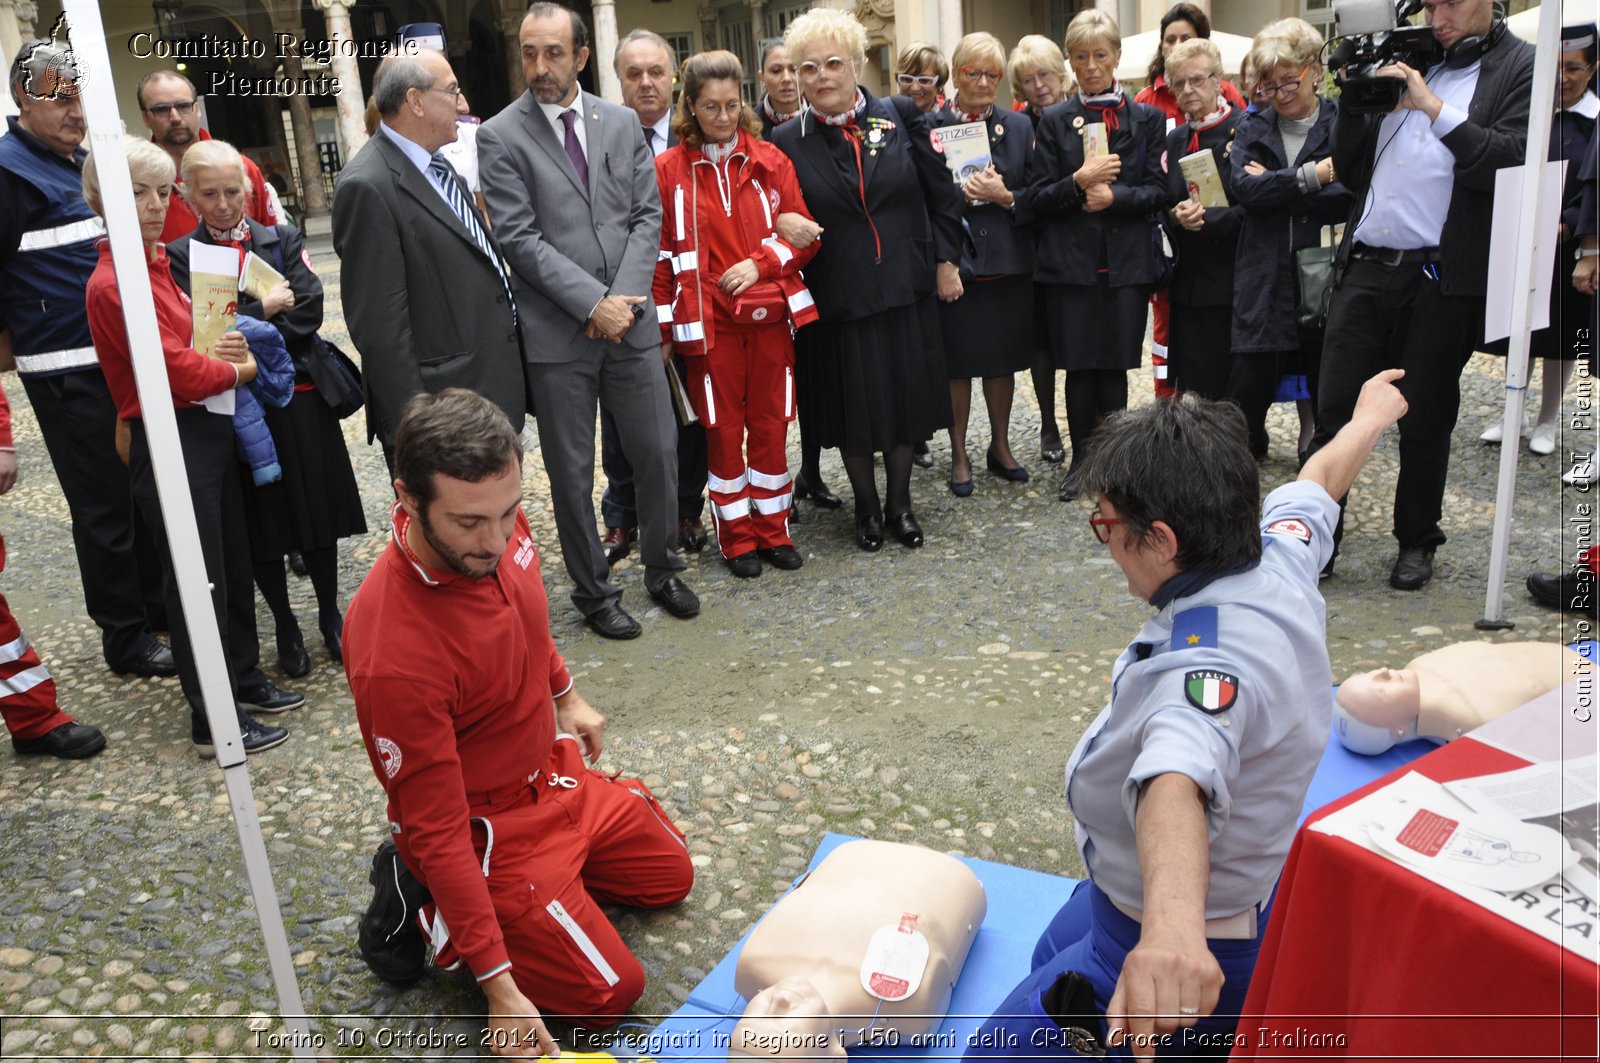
(965, 148)
(257, 278)
(1095, 142)
(1204, 180)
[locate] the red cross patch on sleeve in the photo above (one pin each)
(1291, 527)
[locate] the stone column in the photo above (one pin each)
(709, 38)
(10, 45)
(351, 99)
(511, 30)
(758, 36)
(950, 30)
(603, 57)
(285, 17)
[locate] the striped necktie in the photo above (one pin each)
(445, 175)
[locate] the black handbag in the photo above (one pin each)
(1313, 273)
(337, 379)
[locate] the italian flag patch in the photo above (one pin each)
(1211, 691)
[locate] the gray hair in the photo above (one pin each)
(642, 34)
(210, 155)
(397, 75)
(34, 60)
(147, 162)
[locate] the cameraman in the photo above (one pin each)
(1414, 262)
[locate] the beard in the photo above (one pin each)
(460, 564)
(551, 90)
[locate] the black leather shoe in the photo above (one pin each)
(70, 741)
(1412, 569)
(746, 566)
(1052, 450)
(255, 736)
(612, 622)
(904, 526)
(155, 662)
(691, 534)
(266, 697)
(785, 557)
(388, 936)
(292, 656)
(921, 455)
(1015, 473)
(814, 489)
(333, 636)
(675, 597)
(1572, 592)
(869, 533)
(616, 542)
(1071, 486)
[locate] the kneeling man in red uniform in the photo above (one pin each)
(479, 738)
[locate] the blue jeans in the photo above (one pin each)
(1090, 936)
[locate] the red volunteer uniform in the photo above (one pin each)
(27, 693)
(739, 352)
(517, 840)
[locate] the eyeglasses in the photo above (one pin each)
(921, 81)
(453, 93)
(1576, 69)
(1196, 83)
(980, 75)
(711, 110)
(1033, 81)
(161, 110)
(1101, 526)
(834, 64)
(1285, 91)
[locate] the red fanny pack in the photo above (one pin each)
(763, 303)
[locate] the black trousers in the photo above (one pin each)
(1395, 317)
(213, 469)
(119, 567)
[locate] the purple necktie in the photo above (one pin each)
(574, 149)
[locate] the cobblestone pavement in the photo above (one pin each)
(928, 696)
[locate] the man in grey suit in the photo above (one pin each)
(425, 293)
(571, 188)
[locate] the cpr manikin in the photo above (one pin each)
(898, 918)
(1447, 692)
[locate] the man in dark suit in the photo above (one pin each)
(645, 67)
(425, 293)
(571, 186)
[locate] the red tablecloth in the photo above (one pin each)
(1364, 959)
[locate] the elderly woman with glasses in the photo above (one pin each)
(1186, 789)
(728, 294)
(1038, 74)
(207, 441)
(1283, 176)
(1200, 357)
(988, 332)
(1093, 211)
(872, 368)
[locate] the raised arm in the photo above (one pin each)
(1337, 464)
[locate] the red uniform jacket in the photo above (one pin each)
(454, 682)
(734, 204)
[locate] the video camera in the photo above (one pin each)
(1373, 34)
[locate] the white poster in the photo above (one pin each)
(1504, 238)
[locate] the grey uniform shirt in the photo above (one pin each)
(1231, 686)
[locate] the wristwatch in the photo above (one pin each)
(1585, 252)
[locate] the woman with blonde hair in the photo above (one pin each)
(872, 368)
(728, 294)
(988, 332)
(921, 73)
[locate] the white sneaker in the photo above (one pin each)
(1494, 433)
(1543, 440)
(1582, 473)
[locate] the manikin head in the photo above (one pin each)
(1375, 710)
(786, 1020)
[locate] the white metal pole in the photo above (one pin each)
(155, 400)
(1529, 249)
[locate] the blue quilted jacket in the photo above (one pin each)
(274, 384)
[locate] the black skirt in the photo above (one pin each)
(874, 383)
(1200, 349)
(988, 332)
(1096, 326)
(1572, 326)
(316, 503)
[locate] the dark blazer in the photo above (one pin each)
(282, 248)
(998, 242)
(1204, 274)
(1494, 135)
(425, 307)
(1279, 220)
(1074, 244)
(880, 254)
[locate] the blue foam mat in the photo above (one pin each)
(1021, 905)
(1341, 772)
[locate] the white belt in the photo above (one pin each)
(51, 361)
(73, 232)
(1241, 927)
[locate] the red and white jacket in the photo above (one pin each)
(697, 195)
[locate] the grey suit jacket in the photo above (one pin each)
(424, 305)
(571, 245)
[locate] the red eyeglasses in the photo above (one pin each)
(1101, 526)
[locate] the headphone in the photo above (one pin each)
(1469, 50)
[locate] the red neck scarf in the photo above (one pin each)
(1106, 104)
(1210, 121)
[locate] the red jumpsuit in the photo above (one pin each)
(740, 358)
(27, 693)
(518, 841)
